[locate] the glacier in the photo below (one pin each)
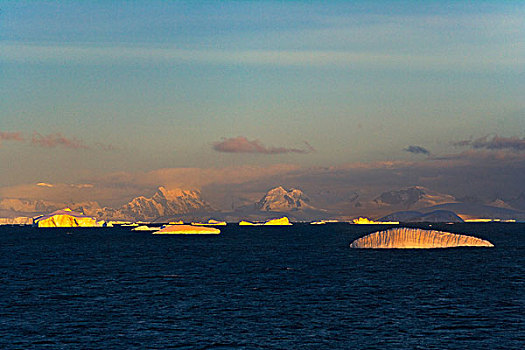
(413, 238)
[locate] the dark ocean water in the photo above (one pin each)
(258, 287)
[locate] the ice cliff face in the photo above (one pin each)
(409, 238)
(164, 203)
(281, 200)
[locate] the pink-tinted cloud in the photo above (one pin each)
(57, 139)
(241, 144)
(11, 136)
(494, 143)
(54, 140)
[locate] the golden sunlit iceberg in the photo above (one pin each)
(187, 229)
(411, 238)
(210, 222)
(278, 222)
(367, 221)
(273, 222)
(247, 223)
(145, 228)
(66, 218)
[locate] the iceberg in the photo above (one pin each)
(278, 222)
(187, 229)
(413, 238)
(145, 228)
(210, 222)
(273, 222)
(322, 222)
(66, 218)
(247, 223)
(367, 221)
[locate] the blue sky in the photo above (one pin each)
(145, 85)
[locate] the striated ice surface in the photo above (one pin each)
(411, 238)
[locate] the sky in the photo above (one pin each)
(118, 94)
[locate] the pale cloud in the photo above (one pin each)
(117, 54)
(194, 177)
(11, 136)
(57, 139)
(82, 185)
(494, 142)
(242, 145)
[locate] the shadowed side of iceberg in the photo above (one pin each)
(411, 238)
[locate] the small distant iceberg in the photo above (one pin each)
(180, 222)
(66, 218)
(187, 229)
(367, 221)
(284, 221)
(210, 222)
(489, 220)
(413, 238)
(323, 222)
(145, 228)
(248, 223)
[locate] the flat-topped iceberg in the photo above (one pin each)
(145, 228)
(367, 221)
(273, 222)
(66, 218)
(413, 238)
(210, 222)
(187, 229)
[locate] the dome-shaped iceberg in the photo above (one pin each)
(413, 238)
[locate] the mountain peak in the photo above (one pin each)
(164, 203)
(175, 193)
(282, 200)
